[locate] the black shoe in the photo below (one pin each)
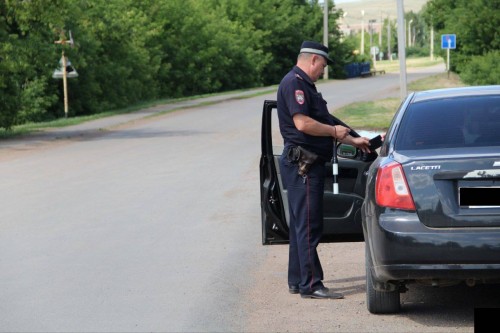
(293, 289)
(323, 293)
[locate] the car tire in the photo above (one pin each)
(379, 302)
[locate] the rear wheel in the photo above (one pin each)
(379, 301)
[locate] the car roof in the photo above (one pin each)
(456, 92)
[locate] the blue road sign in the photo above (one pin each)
(448, 41)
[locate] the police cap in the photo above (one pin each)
(315, 48)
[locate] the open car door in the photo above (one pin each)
(342, 211)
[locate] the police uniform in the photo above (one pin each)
(297, 94)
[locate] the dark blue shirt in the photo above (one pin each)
(298, 94)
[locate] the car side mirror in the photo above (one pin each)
(347, 151)
(351, 152)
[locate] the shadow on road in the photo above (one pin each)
(448, 306)
(434, 307)
(351, 286)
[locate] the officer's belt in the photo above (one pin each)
(304, 158)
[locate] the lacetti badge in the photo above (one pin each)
(497, 163)
(425, 167)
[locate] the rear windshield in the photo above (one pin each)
(449, 123)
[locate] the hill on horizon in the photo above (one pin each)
(375, 9)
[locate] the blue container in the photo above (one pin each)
(365, 67)
(352, 70)
(356, 68)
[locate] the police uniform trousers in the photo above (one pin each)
(305, 200)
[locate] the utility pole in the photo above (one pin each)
(409, 32)
(432, 43)
(401, 49)
(362, 51)
(389, 38)
(64, 64)
(381, 27)
(370, 31)
(65, 84)
(325, 32)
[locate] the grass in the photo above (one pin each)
(393, 66)
(436, 82)
(63, 122)
(377, 115)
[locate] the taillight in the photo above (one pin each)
(391, 188)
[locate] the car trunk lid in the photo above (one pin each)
(461, 189)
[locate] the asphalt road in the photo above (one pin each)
(140, 223)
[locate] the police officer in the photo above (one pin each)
(306, 123)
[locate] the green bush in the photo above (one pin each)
(482, 70)
(34, 101)
(9, 103)
(417, 52)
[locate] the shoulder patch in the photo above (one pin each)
(299, 96)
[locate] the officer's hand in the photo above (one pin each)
(362, 143)
(341, 132)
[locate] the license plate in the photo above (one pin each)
(479, 196)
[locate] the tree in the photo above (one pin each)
(128, 51)
(26, 59)
(114, 55)
(475, 23)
